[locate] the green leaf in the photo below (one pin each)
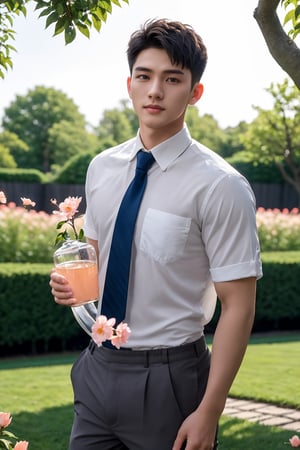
(81, 234)
(70, 34)
(106, 5)
(41, 4)
(46, 12)
(60, 224)
(60, 25)
(289, 16)
(51, 19)
(60, 9)
(96, 22)
(10, 47)
(6, 444)
(8, 434)
(61, 237)
(101, 13)
(83, 28)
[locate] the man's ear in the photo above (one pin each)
(196, 94)
(129, 86)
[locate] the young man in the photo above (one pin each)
(195, 240)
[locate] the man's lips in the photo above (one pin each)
(153, 107)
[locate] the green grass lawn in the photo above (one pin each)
(37, 392)
(270, 371)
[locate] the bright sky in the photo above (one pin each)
(93, 71)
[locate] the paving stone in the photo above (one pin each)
(274, 410)
(295, 415)
(275, 421)
(248, 415)
(263, 413)
(259, 418)
(294, 426)
(228, 411)
(252, 406)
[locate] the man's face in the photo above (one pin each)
(161, 91)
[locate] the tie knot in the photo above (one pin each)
(144, 161)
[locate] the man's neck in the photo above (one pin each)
(153, 137)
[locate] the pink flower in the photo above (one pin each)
(121, 335)
(102, 329)
(27, 202)
(21, 445)
(5, 419)
(3, 199)
(295, 441)
(68, 208)
(295, 211)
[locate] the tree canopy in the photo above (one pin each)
(32, 117)
(68, 17)
(274, 136)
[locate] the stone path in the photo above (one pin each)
(263, 413)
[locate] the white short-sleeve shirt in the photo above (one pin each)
(196, 226)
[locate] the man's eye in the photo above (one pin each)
(142, 77)
(172, 80)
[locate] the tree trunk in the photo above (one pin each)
(282, 48)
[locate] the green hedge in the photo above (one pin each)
(278, 294)
(22, 175)
(74, 171)
(30, 317)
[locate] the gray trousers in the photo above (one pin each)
(136, 400)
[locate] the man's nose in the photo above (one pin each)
(156, 89)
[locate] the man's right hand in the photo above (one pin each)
(61, 289)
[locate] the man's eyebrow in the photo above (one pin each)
(167, 71)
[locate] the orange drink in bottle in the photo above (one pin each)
(83, 278)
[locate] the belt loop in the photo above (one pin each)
(165, 356)
(196, 348)
(146, 359)
(92, 346)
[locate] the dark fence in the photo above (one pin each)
(271, 195)
(42, 193)
(267, 195)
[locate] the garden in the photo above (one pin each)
(36, 388)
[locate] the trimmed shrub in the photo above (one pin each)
(22, 175)
(278, 293)
(29, 317)
(74, 171)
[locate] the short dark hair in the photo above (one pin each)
(183, 45)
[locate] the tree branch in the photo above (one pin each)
(282, 48)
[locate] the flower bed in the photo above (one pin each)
(278, 230)
(28, 236)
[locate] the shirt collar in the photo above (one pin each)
(166, 152)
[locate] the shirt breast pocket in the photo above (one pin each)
(164, 235)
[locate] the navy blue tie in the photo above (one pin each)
(114, 297)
